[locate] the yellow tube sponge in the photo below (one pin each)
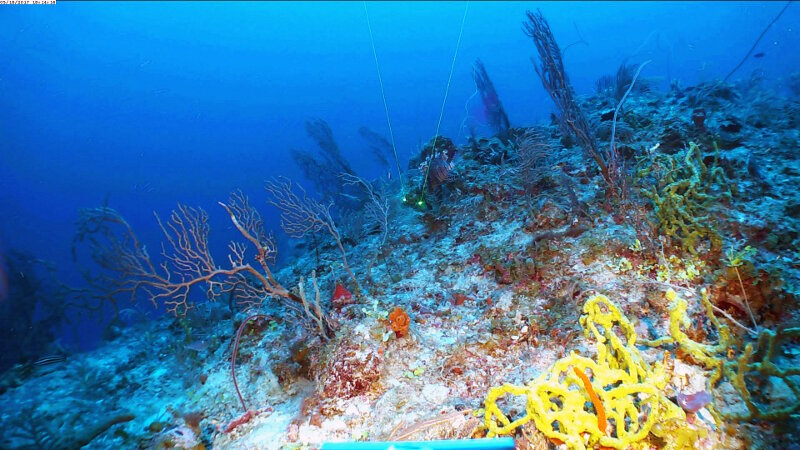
(562, 406)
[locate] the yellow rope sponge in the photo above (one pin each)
(561, 406)
(711, 356)
(731, 359)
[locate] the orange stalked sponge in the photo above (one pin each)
(399, 322)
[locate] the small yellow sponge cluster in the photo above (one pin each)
(565, 408)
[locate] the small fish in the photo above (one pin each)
(759, 55)
(348, 196)
(132, 314)
(440, 170)
(49, 360)
(143, 188)
(197, 346)
(199, 335)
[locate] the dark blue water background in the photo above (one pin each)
(153, 103)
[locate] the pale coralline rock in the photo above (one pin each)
(310, 434)
(436, 394)
(505, 301)
(358, 406)
(687, 379)
(268, 384)
(332, 427)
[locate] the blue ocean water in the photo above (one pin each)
(155, 103)
(143, 105)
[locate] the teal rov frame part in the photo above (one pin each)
(505, 443)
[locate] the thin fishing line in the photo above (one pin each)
(755, 44)
(446, 91)
(385, 106)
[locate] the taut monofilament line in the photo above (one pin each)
(444, 101)
(383, 95)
